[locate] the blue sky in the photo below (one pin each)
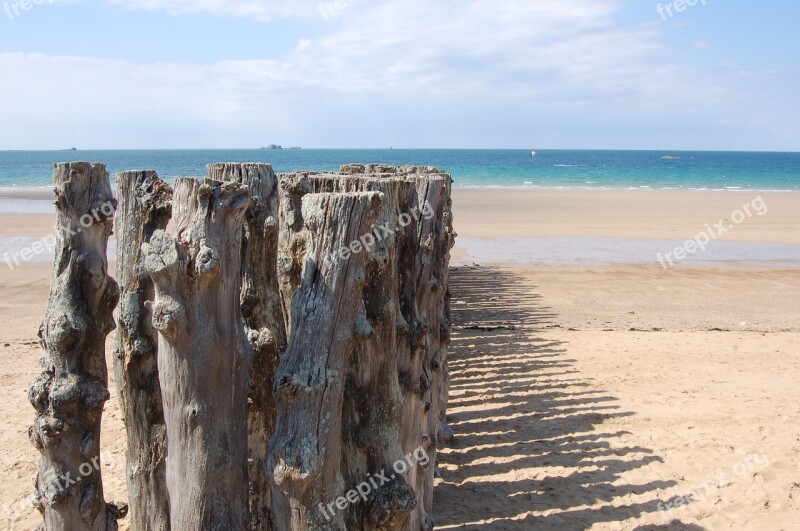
(615, 74)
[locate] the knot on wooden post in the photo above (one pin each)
(295, 469)
(207, 263)
(168, 314)
(160, 254)
(63, 334)
(263, 338)
(391, 504)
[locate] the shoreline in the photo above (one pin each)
(522, 228)
(33, 193)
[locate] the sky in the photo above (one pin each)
(536, 74)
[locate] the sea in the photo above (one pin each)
(659, 170)
(733, 172)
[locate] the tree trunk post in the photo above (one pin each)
(145, 206)
(203, 354)
(70, 392)
(328, 323)
(396, 379)
(436, 238)
(263, 321)
(373, 398)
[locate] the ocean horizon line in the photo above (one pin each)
(523, 149)
(481, 168)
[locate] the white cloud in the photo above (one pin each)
(452, 72)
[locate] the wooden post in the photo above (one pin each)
(145, 205)
(423, 255)
(72, 388)
(374, 399)
(263, 321)
(436, 238)
(203, 354)
(396, 379)
(328, 322)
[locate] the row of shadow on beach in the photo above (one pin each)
(531, 451)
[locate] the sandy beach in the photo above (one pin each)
(584, 395)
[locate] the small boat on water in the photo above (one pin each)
(533, 153)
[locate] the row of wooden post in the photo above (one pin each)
(280, 342)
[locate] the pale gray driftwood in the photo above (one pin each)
(145, 206)
(263, 321)
(426, 308)
(72, 388)
(203, 354)
(396, 381)
(328, 321)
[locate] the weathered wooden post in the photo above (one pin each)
(145, 206)
(203, 354)
(373, 405)
(436, 238)
(328, 322)
(263, 321)
(226, 433)
(72, 388)
(423, 256)
(405, 300)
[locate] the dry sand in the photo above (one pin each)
(582, 398)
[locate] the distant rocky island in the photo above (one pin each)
(275, 146)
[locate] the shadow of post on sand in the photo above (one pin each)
(530, 449)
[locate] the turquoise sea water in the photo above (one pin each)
(654, 170)
(475, 168)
